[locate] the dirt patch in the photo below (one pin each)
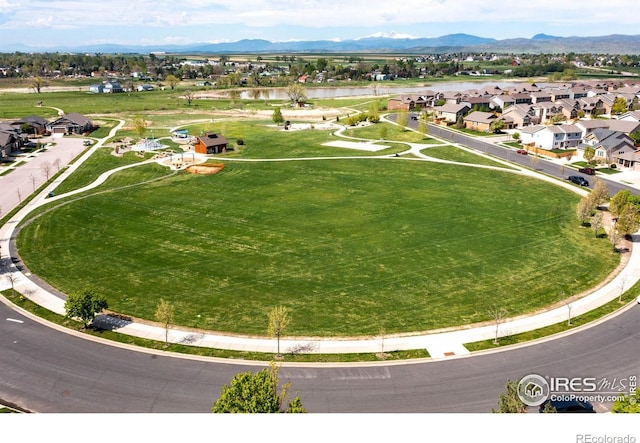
(206, 168)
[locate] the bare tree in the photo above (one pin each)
(46, 169)
(614, 237)
(57, 163)
(296, 93)
(19, 195)
(534, 159)
(498, 314)
(623, 283)
(33, 181)
(12, 279)
(569, 305)
(189, 96)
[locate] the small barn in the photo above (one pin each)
(210, 143)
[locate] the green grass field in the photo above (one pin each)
(352, 247)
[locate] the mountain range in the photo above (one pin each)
(541, 43)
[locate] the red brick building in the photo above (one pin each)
(211, 143)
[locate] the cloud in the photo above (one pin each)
(265, 18)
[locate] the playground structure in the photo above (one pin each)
(148, 144)
(178, 160)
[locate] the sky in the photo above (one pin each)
(51, 23)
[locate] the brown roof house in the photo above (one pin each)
(73, 123)
(211, 143)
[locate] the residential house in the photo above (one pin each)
(73, 123)
(9, 140)
(630, 116)
(522, 115)
(540, 97)
(588, 126)
(502, 101)
(522, 98)
(610, 146)
(592, 106)
(112, 87)
(32, 124)
(145, 87)
(551, 137)
(451, 112)
(624, 126)
(481, 121)
(96, 88)
(211, 143)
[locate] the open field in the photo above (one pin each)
(352, 247)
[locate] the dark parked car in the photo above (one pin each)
(578, 180)
(562, 406)
(588, 171)
(522, 151)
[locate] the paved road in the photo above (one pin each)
(550, 168)
(21, 182)
(47, 370)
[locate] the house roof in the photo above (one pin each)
(481, 117)
(452, 108)
(211, 139)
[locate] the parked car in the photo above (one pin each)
(522, 151)
(578, 180)
(562, 406)
(588, 171)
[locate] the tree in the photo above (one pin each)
(583, 211)
(278, 322)
(85, 305)
(510, 402)
(277, 116)
(402, 119)
(619, 106)
(600, 193)
(497, 126)
(516, 136)
(498, 314)
(140, 125)
(46, 169)
(627, 404)
(628, 220)
(597, 222)
(164, 314)
(589, 153)
(189, 96)
(37, 83)
(256, 393)
(618, 202)
(172, 80)
(296, 93)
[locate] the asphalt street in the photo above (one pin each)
(49, 370)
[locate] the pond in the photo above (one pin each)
(375, 89)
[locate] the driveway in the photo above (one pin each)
(18, 184)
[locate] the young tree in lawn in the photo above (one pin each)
(46, 169)
(583, 211)
(277, 117)
(600, 193)
(628, 220)
(140, 125)
(278, 322)
(597, 222)
(618, 202)
(402, 119)
(164, 314)
(85, 305)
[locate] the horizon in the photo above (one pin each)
(163, 23)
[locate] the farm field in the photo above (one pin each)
(351, 246)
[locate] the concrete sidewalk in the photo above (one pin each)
(439, 344)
